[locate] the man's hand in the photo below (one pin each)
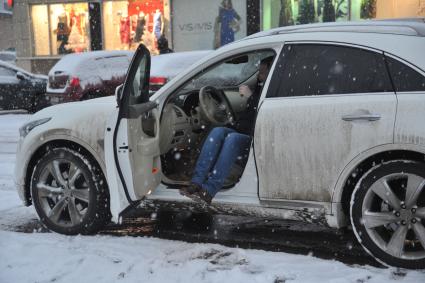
(245, 91)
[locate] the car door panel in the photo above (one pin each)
(133, 146)
(327, 104)
(303, 144)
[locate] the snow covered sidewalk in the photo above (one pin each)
(50, 257)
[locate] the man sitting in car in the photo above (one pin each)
(225, 145)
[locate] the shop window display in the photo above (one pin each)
(69, 28)
(60, 28)
(289, 12)
(128, 23)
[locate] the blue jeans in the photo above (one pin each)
(220, 150)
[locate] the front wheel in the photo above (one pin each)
(388, 213)
(69, 192)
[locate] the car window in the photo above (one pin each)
(6, 72)
(231, 72)
(326, 69)
(404, 77)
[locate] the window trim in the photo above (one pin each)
(408, 64)
(278, 76)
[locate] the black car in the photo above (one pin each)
(20, 89)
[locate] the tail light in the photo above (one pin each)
(74, 82)
(158, 80)
(155, 83)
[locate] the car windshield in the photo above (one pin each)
(230, 73)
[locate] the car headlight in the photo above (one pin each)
(25, 129)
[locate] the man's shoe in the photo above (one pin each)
(205, 196)
(188, 191)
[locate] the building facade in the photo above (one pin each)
(46, 30)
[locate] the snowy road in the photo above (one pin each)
(49, 257)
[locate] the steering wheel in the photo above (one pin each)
(215, 106)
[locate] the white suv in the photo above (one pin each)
(338, 137)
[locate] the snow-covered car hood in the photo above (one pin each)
(74, 110)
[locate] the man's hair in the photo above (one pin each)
(268, 61)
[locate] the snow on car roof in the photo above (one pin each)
(71, 61)
(169, 65)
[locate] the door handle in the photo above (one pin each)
(362, 117)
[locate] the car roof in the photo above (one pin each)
(71, 61)
(14, 67)
(402, 26)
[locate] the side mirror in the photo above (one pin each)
(118, 94)
(20, 76)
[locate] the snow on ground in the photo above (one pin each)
(50, 257)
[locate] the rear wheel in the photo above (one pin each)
(388, 213)
(69, 193)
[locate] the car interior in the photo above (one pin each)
(208, 100)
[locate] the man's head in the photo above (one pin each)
(264, 68)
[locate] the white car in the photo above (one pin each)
(338, 138)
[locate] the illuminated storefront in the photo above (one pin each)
(277, 13)
(70, 27)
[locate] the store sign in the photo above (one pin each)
(10, 3)
(204, 25)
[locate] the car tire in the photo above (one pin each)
(69, 192)
(388, 213)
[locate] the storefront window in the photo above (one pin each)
(128, 23)
(60, 28)
(386, 9)
(40, 21)
(69, 28)
(277, 13)
(6, 5)
(206, 24)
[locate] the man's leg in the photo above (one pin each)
(209, 153)
(236, 146)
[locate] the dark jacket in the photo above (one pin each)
(245, 121)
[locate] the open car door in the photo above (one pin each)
(132, 139)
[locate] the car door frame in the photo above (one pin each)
(120, 158)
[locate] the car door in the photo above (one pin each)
(9, 88)
(132, 139)
(327, 103)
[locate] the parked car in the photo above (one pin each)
(94, 74)
(8, 56)
(82, 76)
(338, 138)
(20, 89)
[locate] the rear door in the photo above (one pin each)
(132, 139)
(327, 104)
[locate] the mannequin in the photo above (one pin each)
(140, 26)
(76, 41)
(62, 33)
(158, 24)
(125, 31)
